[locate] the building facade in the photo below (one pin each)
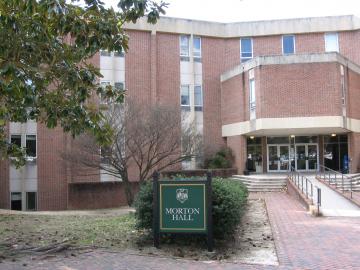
(282, 94)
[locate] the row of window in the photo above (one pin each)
(29, 143)
(185, 97)
(109, 54)
(16, 201)
(288, 45)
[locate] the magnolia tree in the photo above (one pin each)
(45, 72)
(145, 138)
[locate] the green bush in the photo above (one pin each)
(228, 198)
(223, 159)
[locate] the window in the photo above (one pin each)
(197, 48)
(198, 98)
(252, 99)
(119, 54)
(119, 86)
(252, 95)
(184, 46)
(288, 44)
(105, 53)
(31, 201)
(31, 146)
(16, 201)
(246, 49)
(16, 139)
(103, 84)
(331, 42)
(185, 95)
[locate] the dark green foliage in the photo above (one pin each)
(229, 200)
(143, 205)
(45, 72)
(221, 160)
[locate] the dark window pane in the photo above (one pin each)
(31, 145)
(16, 139)
(277, 140)
(31, 201)
(331, 139)
(16, 201)
(306, 139)
(255, 140)
(246, 45)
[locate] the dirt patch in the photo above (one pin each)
(21, 235)
(253, 242)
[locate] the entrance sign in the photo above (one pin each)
(182, 206)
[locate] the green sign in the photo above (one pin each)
(182, 207)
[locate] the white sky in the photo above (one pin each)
(253, 10)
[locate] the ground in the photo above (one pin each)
(70, 233)
(302, 242)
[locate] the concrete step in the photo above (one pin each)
(262, 183)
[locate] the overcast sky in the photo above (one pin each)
(250, 10)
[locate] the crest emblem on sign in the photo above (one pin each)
(182, 195)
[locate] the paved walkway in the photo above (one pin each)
(332, 203)
(302, 242)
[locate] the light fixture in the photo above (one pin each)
(252, 137)
(333, 135)
(292, 136)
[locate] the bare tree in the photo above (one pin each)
(146, 138)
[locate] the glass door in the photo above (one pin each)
(306, 157)
(273, 161)
(300, 157)
(284, 157)
(312, 154)
(278, 158)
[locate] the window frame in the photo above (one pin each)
(294, 44)
(36, 146)
(245, 59)
(252, 95)
(198, 107)
(200, 51)
(326, 42)
(181, 95)
(188, 46)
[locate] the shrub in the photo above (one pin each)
(228, 199)
(223, 159)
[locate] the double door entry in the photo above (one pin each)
(302, 157)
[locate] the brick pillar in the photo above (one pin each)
(264, 153)
(4, 181)
(321, 150)
(354, 151)
(238, 146)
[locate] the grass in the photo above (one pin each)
(34, 231)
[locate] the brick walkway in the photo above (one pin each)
(302, 242)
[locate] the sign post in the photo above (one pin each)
(182, 206)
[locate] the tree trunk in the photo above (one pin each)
(127, 188)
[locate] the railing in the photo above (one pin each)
(337, 179)
(303, 184)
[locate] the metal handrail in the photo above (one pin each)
(298, 180)
(327, 173)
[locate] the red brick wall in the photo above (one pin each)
(353, 99)
(232, 53)
(348, 43)
(98, 195)
(212, 64)
(137, 60)
(310, 43)
(299, 90)
(168, 69)
(238, 146)
(233, 100)
(267, 45)
(52, 173)
(354, 152)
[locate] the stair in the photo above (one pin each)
(262, 183)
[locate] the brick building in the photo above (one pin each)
(280, 94)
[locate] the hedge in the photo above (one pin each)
(229, 200)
